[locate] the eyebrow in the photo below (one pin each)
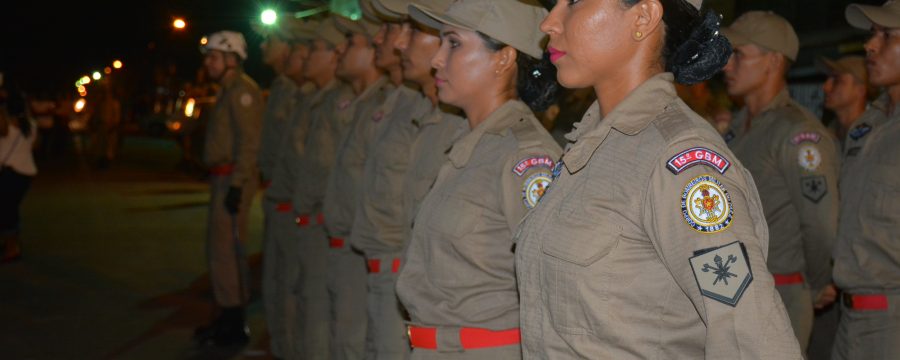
(450, 32)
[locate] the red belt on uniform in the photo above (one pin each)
(788, 279)
(469, 338)
(336, 243)
(284, 207)
(306, 220)
(865, 302)
(222, 170)
(375, 266)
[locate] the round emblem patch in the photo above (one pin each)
(706, 205)
(246, 100)
(809, 157)
(534, 188)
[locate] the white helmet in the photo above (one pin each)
(227, 41)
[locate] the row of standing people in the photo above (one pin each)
(393, 222)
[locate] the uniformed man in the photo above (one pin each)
(285, 49)
(379, 224)
(847, 91)
(793, 159)
(230, 152)
(347, 275)
(867, 256)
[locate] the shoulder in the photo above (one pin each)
(530, 136)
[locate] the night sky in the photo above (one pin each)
(49, 44)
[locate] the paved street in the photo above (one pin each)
(114, 263)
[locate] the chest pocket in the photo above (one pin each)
(886, 193)
(575, 277)
(455, 217)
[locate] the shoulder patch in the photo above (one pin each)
(809, 157)
(706, 205)
(523, 165)
(860, 131)
(723, 273)
(814, 188)
(246, 99)
(534, 188)
(807, 136)
(697, 156)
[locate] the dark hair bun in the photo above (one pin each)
(536, 81)
(702, 55)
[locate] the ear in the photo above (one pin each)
(505, 60)
(648, 17)
(777, 62)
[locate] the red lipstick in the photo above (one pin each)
(555, 54)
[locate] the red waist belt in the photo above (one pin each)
(306, 220)
(222, 170)
(788, 279)
(375, 266)
(865, 302)
(284, 207)
(336, 243)
(469, 338)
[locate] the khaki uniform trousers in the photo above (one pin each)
(797, 300)
(347, 289)
(229, 276)
(387, 328)
(494, 353)
(271, 301)
(869, 334)
(309, 340)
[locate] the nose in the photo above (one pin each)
(551, 24)
(438, 61)
(729, 66)
(828, 85)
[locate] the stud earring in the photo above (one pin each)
(638, 35)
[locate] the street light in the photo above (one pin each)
(179, 24)
(117, 64)
(96, 75)
(269, 17)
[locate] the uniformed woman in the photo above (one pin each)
(651, 241)
(458, 283)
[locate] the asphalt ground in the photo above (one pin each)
(114, 265)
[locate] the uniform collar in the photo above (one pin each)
(496, 123)
(378, 84)
(320, 94)
(231, 78)
(781, 100)
(630, 117)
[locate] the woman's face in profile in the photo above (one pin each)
(589, 39)
(464, 66)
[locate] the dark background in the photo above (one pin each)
(47, 45)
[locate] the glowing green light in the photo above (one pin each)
(269, 17)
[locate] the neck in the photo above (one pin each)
(228, 74)
(297, 79)
(848, 114)
(612, 90)
(477, 113)
(396, 74)
(894, 96)
(324, 78)
(278, 67)
(429, 90)
(363, 82)
(757, 100)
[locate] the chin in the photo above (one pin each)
(571, 81)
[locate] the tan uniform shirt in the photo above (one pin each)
(283, 95)
(867, 254)
(794, 161)
(233, 131)
(378, 227)
(345, 180)
(436, 133)
(316, 156)
(459, 264)
(635, 251)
